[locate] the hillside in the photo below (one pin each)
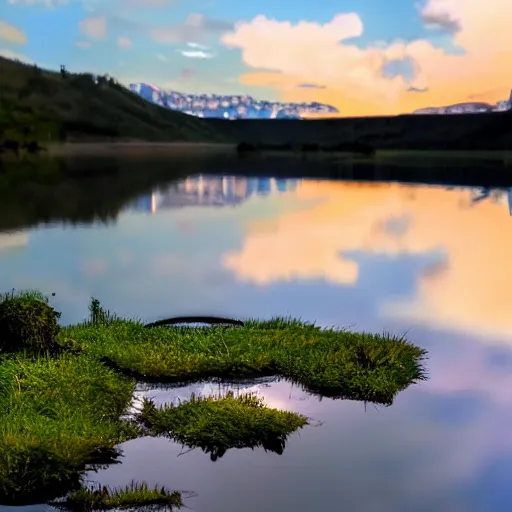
(64, 106)
(57, 106)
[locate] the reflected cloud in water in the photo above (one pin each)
(466, 289)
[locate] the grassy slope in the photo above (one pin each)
(77, 108)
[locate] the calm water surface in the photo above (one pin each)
(430, 261)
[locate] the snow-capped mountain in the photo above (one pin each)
(228, 107)
(471, 107)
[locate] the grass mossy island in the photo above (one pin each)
(216, 424)
(64, 391)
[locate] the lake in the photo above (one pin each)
(432, 262)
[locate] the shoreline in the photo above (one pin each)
(141, 147)
(135, 148)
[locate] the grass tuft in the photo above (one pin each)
(134, 495)
(25, 295)
(216, 424)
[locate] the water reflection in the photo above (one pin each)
(210, 191)
(428, 451)
(431, 261)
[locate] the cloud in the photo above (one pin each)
(311, 86)
(347, 218)
(10, 54)
(94, 27)
(124, 42)
(11, 34)
(197, 46)
(83, 44)
(161, 57)
(417, 89)
(196, 54)
(439, 20)
(282, 54)
(195, 27)
(14, 240)
(50, 4)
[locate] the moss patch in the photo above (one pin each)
(216, 424)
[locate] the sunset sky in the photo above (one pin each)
(363, 57)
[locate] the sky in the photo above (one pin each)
(365, 57)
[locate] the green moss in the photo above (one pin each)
(330, 362)
(133, 495)
(216, 424)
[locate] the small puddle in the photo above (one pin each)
(276, 392)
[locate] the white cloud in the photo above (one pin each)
(124, 42)
(10, 34)
(161, 57)
(94, 27)
(289, 52)
(196, 54)
(83, 44)
(50, 4)
(197, 46)
(10, 54)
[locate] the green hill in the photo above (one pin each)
(63, 106)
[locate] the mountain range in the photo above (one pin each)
(470, 107)
(228, 106)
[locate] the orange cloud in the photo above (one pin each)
(470, 291)
(353, 77)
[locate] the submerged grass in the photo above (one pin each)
(217, 423)
(329, 362)
(137, 494)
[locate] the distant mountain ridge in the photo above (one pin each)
(228, 106)
(470, 107)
